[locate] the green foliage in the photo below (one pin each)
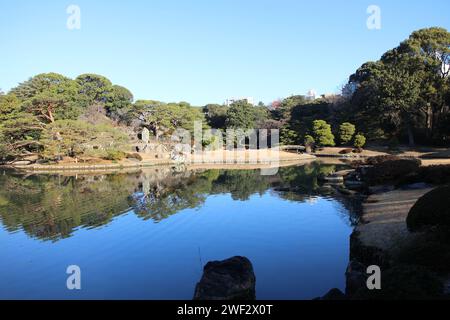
(115, 155)
(9, 107)
(50, 97)
(75, 138)
(288, 136)
(309, 140)
(95, 89)
(404, 92)
(242, 115)
(322, 133)
(119, 101)
(346, 132)
(360, 141)
(216, 115)
(66, 138)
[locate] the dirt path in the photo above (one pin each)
(384, 218)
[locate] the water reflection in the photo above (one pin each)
(52, 207)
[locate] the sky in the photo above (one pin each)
(205, 51)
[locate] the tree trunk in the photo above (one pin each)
(429, 117)
(411, 137)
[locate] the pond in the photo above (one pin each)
(147, 234)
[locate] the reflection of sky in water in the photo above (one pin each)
(299, 251)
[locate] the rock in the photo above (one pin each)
(32, 158)
(346, 151)
(345, 191)
(231, 279)
(135, 156)
(334, 179)
(21, 163)
(433, 209)
(145, 135)
(354, 185)
(334, 295)
(343, 173)
(355, 277)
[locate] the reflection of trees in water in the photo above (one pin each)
(52, 207)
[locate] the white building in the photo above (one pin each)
(311, 95)
(230, 101)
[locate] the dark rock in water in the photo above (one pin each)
(231, 279)
(433, 209)
(334, 295)
(354, 185)
(356, 277)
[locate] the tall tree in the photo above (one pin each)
(216, 115)
(50, 96)
(95, 90)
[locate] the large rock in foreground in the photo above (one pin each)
(231, 279)
(433, 209)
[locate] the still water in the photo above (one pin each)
(148, 234)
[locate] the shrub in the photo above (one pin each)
(373, 161)
(309, 140)
(433, 209)
(322, 134)
(360, 141)
(346, 132)
(386, 169)
(115, 155)
(439, 174)
(288, 136)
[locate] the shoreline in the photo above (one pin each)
(284, 159)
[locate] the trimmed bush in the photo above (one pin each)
(115, 155)
(322, 134)
(373, 161)
(346, 132)
(360, 141)
(309, 140)
(309, 143)
(439, 174)
(386, 169)
(433, 209)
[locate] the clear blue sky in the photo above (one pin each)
(204, 51)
